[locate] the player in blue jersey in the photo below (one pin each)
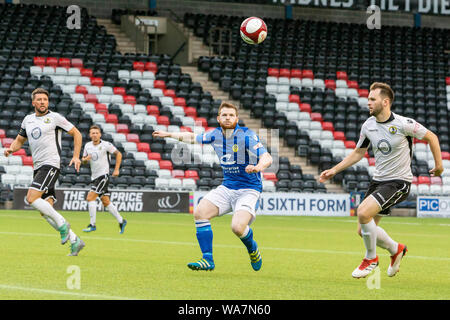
(242, 157)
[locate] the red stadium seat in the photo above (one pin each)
(97, 81)
(185, 129)
(122, 128)
(2, 134)
(169, 93)
(316, 116)
(424, 180)
(190, 112)
(272, 72)
(308, 74)
(294, 98)
(328, 126)
(201, 121)
(350, 144)
(447, 81)
(6, 142)
(436, 180)
(371, 161)
(166, 164)
(415, 180)
(143, 147)
(352, 84)
(341, 75)
(39, 61)
(81, 89)
(133, 137)
(101, 107)
(181, 102)
(296, 73)
(163, 120)
(270, 176)
(51, 61)
(445, 154)
(339, 135)
(154, 156)
(76, 63)
(191, 174)
(364, 93)
(129, 99)
(179, 174)
(137, 65)
(64, 62)
(153, 110)
(27, 161)
(20, 152)
(305, 107)
(330, 84)
(151, 66)
(92, 98)
(119, 90)
(285, 73)
(159, 84)
(111, 118)
(86, 72)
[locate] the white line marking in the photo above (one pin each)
(162, 242)
(67, 293)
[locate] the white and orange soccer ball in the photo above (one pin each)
(253, 30)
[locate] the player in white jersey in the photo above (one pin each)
(43, 129)
(391, 137)
(96, 152)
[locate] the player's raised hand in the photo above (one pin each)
(76, 163)
(436, 171)
(252, 169)
(327, 174)
(161, 134)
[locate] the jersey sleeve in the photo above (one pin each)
(414, 129)
(85, 153)
(110, 147)
(363, 141)
(63, 123)
(255, 146)
(207, 137)
(22, 130)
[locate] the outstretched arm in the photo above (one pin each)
(354, 157)
(264, 162)
(77, 141)
(435, 148)
(187, 137)
(15, 145)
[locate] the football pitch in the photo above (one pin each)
(303, 258)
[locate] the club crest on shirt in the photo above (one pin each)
(392, 130)
(47, 120)
(36, 133)
(384, 146)
(235, 148)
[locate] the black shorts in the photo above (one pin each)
(388, 193)
(100, 185)
(44, 179)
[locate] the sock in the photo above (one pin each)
(45, 208)
(385, 242)
(72, 236)
(205, 237)
(51, 222)
(92, 205)
(113, 210)
(369, 235)
(247, 239)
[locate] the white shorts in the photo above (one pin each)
(229, 200)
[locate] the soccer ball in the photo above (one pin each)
(253, 30)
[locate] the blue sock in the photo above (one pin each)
(249, 242)
(205, 237)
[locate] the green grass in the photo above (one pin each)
(303, 258)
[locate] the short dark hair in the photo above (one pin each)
(94, 126)
(227, 105)
(385, 90)
(39, 91)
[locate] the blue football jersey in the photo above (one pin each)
(235, 154)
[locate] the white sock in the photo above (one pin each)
(385, 242)
(50, 221)
(247, 229)
(46, 208)
(92, 205)
(369, 235)
(113, 210)
(72, 236)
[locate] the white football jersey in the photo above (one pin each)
(392, 143)
(100, 161)
(44, 136)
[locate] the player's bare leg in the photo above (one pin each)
(367, 211)
(240, 227)
(92, 207)
(204, 212)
